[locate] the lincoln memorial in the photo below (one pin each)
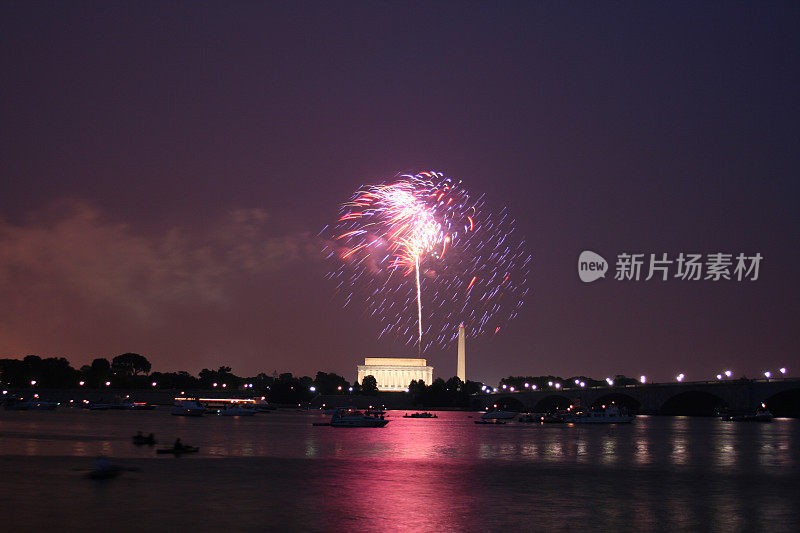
(393, 373)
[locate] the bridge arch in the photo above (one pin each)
(552, 402)
(507, 403)
(785, 403)
(620, 400)
(693, 403)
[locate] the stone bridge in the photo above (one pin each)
(697, 397)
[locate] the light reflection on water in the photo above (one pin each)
(415, 474)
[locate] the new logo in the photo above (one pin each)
(591, 266)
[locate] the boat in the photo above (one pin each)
(608, 415)
(187, 407)
(499, 415)
(178, 451)
(141, 406)
(263, 407)
(236, 411)
(491, 422)
(420, 415)
(553, 418)
(356, 419)
(141, 440)
(761, 415)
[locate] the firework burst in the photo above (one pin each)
(423, 239)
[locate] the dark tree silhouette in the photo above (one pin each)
(130, 364)
(369, 386)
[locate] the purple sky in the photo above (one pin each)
(165, 168)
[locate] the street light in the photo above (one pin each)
(767, 374)
(610, 382)
(642, 379)
(154, 384)
(680, 377)
(33, 382)
(81, 383)
(108, 383)
(719, 376)
(728, 373)
(582, 384)
(527, 385)
(312, 389)
(783, 370)
(533, 387)
(558, 385)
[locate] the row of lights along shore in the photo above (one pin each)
(642, 379)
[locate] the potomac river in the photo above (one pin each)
(276, 472)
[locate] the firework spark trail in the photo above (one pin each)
(468, 260)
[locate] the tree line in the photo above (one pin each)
(133, 371)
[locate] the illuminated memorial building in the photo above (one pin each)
(393, 373)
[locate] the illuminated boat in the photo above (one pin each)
(230, 406)
(420, 415)
(356, 419)
(761, 415)
(609, 415)
(187, 407)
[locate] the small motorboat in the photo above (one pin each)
(178, 450)
(491, 422)
(420, 415)
(609, 415)
(141, 406)
(761, 415)
(499, 415)
(356, 419)
(188, 408)
(236, 411)
(141, 440)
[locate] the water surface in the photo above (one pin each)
(276, 472)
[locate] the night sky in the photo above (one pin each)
(165, 168)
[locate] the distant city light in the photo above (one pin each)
(154, 384)
(483, 388)
(350, 389)
(642, 379)
(224, 385)
(33, 382)
(213, 384)
(108, 383)
(680, 377)
(339, 387)
(81, 383)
